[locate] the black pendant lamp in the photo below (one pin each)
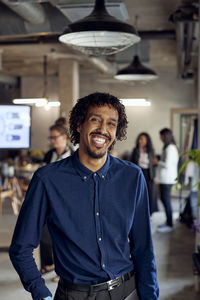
(99, 33)
(136, 71)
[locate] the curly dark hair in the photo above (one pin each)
(149, 146)
(79, 112)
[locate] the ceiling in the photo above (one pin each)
(30, 29)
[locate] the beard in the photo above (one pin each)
(92, 154)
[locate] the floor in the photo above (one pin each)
(173, 255)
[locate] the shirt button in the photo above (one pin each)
(102, 176)
(97, 213)
(95, 174)
(85, 177)
(103, 266)
(100, 239)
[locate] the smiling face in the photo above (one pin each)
(98, 131)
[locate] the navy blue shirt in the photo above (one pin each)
(99, 224)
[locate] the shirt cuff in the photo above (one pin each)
(48, 298)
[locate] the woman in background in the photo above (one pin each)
(143, 156)
(61, 149)
(59, 140)
(167, 172)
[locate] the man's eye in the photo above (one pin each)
(95, 120)
(112, 124)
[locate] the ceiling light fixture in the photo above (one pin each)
(36, 101)
(99, 33)
(136, 102)
(136, 71)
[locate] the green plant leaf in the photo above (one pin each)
(191, 155)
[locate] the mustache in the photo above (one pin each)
(102, 134)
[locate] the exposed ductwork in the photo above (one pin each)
(36, 21)
(185, 18)
(30, 12)
(22, 18)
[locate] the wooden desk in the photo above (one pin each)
(11, 189)
(3, 195)
(15, 187)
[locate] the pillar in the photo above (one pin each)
(68, 85)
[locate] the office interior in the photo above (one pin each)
(34, 64)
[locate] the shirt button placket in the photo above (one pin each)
(98, 223)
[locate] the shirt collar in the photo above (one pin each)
(85, 173)
(64, 151)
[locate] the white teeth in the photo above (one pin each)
(99, 140)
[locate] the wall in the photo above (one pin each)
(7, 94)
(32, 86)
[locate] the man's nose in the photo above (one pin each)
(103, 127)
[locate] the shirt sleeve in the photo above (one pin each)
(26, 238)
(142, 246)
(170, 154)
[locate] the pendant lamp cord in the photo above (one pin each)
(45, 75)
(135, 25)
(99, 5)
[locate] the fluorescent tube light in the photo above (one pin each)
(36, 101)
(136, 102)
(53, 103)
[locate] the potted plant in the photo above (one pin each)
(191, 156)
(194, 156)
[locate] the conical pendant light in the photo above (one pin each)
(99, 33)
(136, 71)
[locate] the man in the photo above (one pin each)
(96, 208)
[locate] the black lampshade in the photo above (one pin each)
(99, 33)
(136, 71)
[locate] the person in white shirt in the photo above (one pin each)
(167, 171)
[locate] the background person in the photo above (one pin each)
(167, 172)
(59, 140)
(61, 149)
(96, 207)
(143, 156)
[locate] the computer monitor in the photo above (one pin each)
(15, 125)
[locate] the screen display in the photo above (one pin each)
(15, 122)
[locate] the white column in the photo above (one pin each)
(68, 85)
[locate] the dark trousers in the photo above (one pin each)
(165, 196)
(46, 255)
(46, 250)
(153, 206)
(118, 293)
(193, 203)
